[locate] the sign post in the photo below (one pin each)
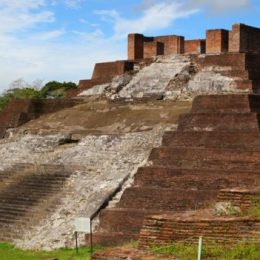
(83, 225)
(200, 248)
(76, 237)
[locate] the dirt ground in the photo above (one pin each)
(102, 116)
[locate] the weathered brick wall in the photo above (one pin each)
(84, 85)
(108, 70)
(173, 44)
(140, 46)
(195, 46)
(217, 41)
(20, 111)
(236, 61)
(152, 49)
(136, 45)
(162, 230)
(238, 197)
(244, 38)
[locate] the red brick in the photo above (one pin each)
(217, 41)
(195, 46)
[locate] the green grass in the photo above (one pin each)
(9, 252)
(189, 252)
(254, 210)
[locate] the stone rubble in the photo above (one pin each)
(28, 148)
(107, 161)
(173, 77)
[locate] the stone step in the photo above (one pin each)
(50, 187)
(234, 61)
(226, 104)
(203, 139)
(152, 198)
(23, 200)
(37, 187)
(250, 74)
(237, 122)
(27, 191)
(167, 154)
(13, 210)
(218, 165)
(194, 179)
(11, 216)
(24, 207)
(244, 85)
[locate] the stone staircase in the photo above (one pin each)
(215, 147)
(27, 194)
(243, 67)
(241, 227)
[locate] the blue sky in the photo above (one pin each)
(63, 39)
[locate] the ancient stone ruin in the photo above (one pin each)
(155, 182)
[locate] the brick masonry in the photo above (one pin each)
(215, 147)
(217, 41)
(164, 229)
(195, 46)
(173, 44)
(243, 198)
(20, 111)
(242, 38)
(152, 49)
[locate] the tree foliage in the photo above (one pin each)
(17, 93)
(55, 89)
(19, 89)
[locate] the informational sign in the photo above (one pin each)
(82, 225)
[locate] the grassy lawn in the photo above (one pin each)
(183, 252)
(189, 252)
(9, 252)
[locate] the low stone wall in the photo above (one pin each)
(239, 197)
(20, 111)
(163, 230)
(109, 70)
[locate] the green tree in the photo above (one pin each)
(55, 89)
(18, 93)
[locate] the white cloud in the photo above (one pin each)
(223, 5)
(155, 17)
(16, 15)
(21, 4)
(49, 35)
(73, 3)
(44, 55)
(211, 5)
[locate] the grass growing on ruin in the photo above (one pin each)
(254, 210)
(236, 252)
(9, 252)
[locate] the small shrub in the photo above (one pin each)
(254, 210)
